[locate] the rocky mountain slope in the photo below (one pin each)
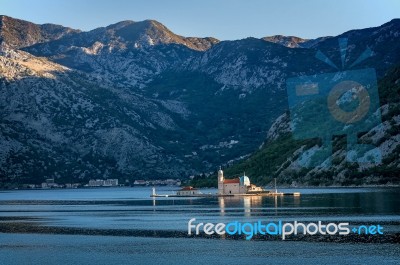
(279, 157)
(294, 42)
(288, 41)
(134, 100)
(18, 33)
(57, 122)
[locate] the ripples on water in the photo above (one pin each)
(66, 250)
(132, 208)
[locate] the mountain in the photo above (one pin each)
(128, 34)
(288, 41)
(58, 122)
(127, 53)
(294, 42)
(279, 156)
(18, 33)
(134, 100)
(151, 32)
(247, 63)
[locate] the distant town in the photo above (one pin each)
(51, 184)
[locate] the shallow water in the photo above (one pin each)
(132, 208)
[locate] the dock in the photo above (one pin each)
(201, 195)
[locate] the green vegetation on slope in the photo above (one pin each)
(275, 156)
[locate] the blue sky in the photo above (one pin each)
(223, 19)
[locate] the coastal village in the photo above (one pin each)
(51, 183)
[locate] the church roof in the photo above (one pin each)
(187, 188)
(244, 178)
(229, 181)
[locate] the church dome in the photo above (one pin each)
(244, 181)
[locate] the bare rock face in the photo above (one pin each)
(133, 99)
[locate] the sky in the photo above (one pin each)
(222, 19)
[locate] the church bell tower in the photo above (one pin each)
(220, 181)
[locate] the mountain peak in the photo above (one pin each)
(17, 33)
(151, 32)
(288, 41)
(120, 24)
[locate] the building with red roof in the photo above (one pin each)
(234, 186)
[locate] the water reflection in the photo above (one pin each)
(221, 203)
(129, 208)
(247, 203)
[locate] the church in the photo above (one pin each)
(236, 186)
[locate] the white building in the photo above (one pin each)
(111, 182)
(239, 185)
(96, 182)
(103, 183)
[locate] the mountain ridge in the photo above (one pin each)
(92, 104)
(19, 33)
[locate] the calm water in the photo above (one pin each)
(67, 249)
(132, 208)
